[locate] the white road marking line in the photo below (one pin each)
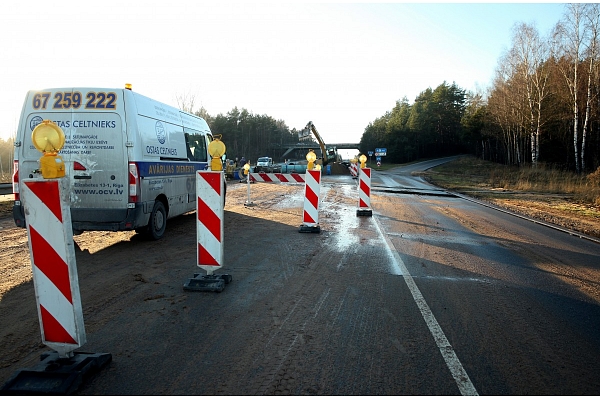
(452, 362)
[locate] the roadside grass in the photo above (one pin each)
(564, 190)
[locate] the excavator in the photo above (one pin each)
(328, 154)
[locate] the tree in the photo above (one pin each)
(529, 55)
(435, 117)
(505, 110)
(473, 123)
(571, 38)
(6, 159)
(185, 102)
(591, 24)
(401, 143)
(448, 108)
(203, 113)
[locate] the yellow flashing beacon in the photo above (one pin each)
(363, 161)
(48, 138)
(311, 157)
(216, 149)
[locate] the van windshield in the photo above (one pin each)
(263, 159)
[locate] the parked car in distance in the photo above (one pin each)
(265, 164)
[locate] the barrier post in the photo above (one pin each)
(56, 285)
(354, 170)
(312, 190)
(364, 193)
(209, 232)
(52, 252)
(52, 255)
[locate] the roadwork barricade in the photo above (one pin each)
(312, 191)
(354, 170)
(364, 193)
(209, 233)
(55, 280)
(276, 177)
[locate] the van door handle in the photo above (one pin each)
(82, 177)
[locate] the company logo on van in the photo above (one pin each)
(35, 121)
(160, 132)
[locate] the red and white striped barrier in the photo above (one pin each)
(210, 190)
(46, 203)
(312, 190)
(354, 170)
(364, 193)
(209, 227)
(276, 177)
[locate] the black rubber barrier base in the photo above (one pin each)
(364, 213)
(207, 283)
(309, 229)
(55, 375)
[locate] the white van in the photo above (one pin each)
(131, 161)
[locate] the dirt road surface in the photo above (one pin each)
(135, 307)
(331, 313)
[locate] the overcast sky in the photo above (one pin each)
(340, 65)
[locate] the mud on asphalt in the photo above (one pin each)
(305, 313)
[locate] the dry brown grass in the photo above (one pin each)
(470, 173)
(583, 188)
(560, 197)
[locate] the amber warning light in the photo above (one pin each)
(48, 138)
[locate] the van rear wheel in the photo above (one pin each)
(158, 221)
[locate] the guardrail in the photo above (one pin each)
(5, 188)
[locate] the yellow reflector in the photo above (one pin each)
(216, 148)
(48, 137)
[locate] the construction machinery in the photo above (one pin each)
(329, 154)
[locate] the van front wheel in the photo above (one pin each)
(158, 221)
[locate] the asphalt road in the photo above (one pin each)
(518, 302)
(432, 295)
